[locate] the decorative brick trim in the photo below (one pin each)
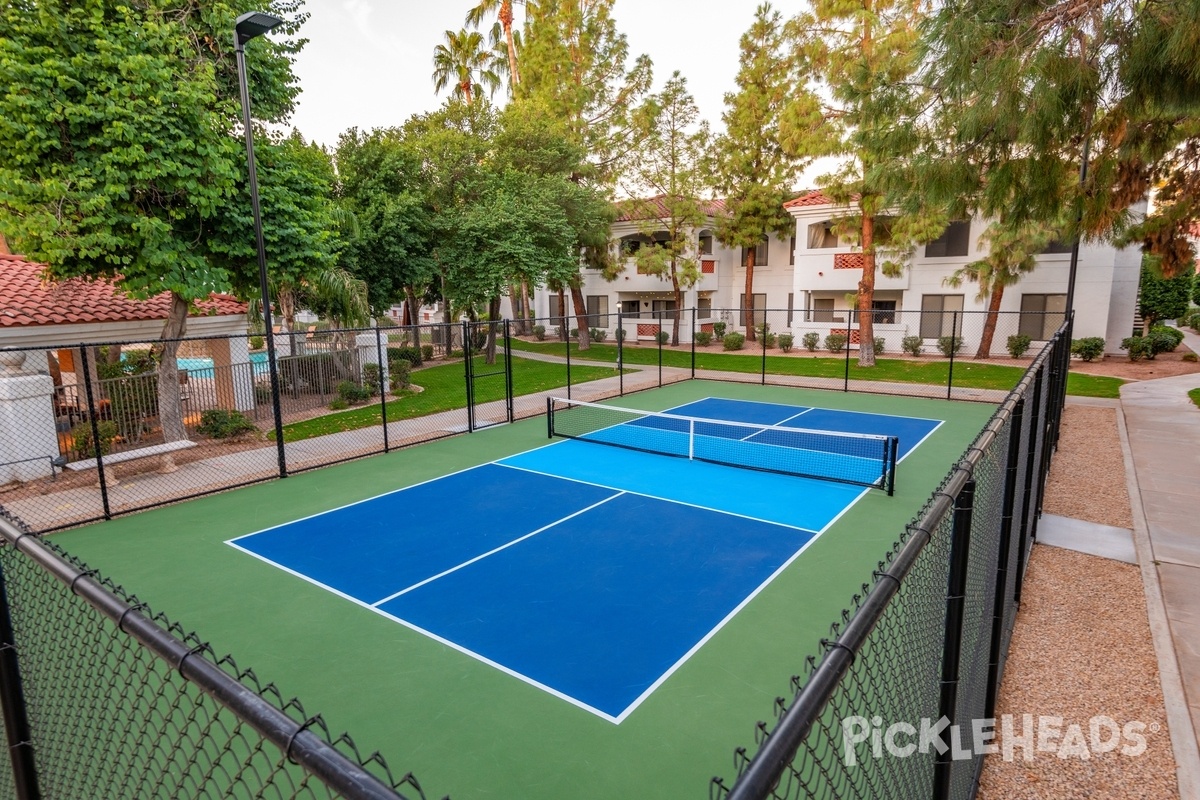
(848, 261)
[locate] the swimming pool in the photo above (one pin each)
(203, 367)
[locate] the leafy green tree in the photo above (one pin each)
(857, 102)
(1163, 297)
(575, 71)
(1012, 253)
(382, 184)
(1026, 90)
(463, 62)
(751, 167)
(117, 127)
(669, 162)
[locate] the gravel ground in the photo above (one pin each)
(1082, 646)
(1087, 477)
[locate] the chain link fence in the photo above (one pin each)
(923, 644)
(104, 698)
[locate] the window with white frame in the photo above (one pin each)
(821, 235)
(760, 305)
(760, 254)
(1042, 315)
(954, 241)
(941, 315)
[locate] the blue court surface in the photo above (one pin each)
(590, 571)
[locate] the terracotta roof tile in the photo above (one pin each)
(813, 198)
(629, 210)
(28, 298)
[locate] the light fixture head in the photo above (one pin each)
(255, 23)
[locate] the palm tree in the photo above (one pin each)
(464, 61)
(1012, 252)
(504, 11)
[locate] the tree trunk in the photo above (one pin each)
(563, 328)
(989, 323)
(518, 309)
(506, 21)
(866, 296)
(493, 316)
(414, 315)
(114, 354)
(748, 306)
(170, 409)
(527, 323)
(678, 305)
(585, 336)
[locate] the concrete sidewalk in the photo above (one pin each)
(1162, 426)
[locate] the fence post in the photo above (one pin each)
(383, 381)
(658, 340)
(91, 401)
(953, 337)
(846, 371)
(1026, 499)
(956, 591)
(1006, 519)
(693, 342)
(16, 721)
(568, 348)
(508, 375)
(620, 354)
(467, 376)
(763, 336)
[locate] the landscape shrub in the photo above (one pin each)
(834, 342)
(1018, 345)
(220, 423)
(785, 342)
(663, 337)
(426, 352)
(810, 341)
(1088, 348)
(949, 345)
(733, 341)
(1173, 334)
(410, 354)
(598, 334)
(352, 393)
(764, 334)
(1191, 358)
(880, 344)
(257, 342)
(337, 404)
(1137, 346)
(399, 376)
(703, 338)
(371, 377)
(719, 330)
(621, 334)
(912, 345)
(81, 438)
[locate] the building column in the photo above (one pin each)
(233, 373)
(28, 439)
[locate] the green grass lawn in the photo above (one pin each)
(1194, 394)
(934, 371)
(444, 388)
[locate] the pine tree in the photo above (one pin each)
(669, 163)
(857, 102)
(751, 168)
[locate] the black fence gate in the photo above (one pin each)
(489, 373)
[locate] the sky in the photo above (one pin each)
(368, 62)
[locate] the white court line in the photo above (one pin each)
(493, 551)
(818, 408)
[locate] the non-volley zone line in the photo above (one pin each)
(597, 605)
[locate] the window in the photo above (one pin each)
(760, 254)
(760, 305)
(629, 307)
(792, 253)
(555, 309)
(597, 310)
(630, 245)
(790, 300)
(941, 315)
(706, 244)
(1056, 246)
(822, 310)
(1042, 315)
(821, 235)
(663, 309)
(954, 241)
(704, 307)
(882, 311)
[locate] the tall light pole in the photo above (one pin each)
(247, 27)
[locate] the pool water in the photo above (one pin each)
(203, 367)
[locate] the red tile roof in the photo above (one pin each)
(28, 298)
(654, 207)
(813, 198)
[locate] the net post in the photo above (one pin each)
(658, 339)
(466, 343)
(693, 342)
(691, 440)
(846, 369)
(893, 447)
(549, 417)
(508, 373)
(564, 324)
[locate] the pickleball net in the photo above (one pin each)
(856, 458)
